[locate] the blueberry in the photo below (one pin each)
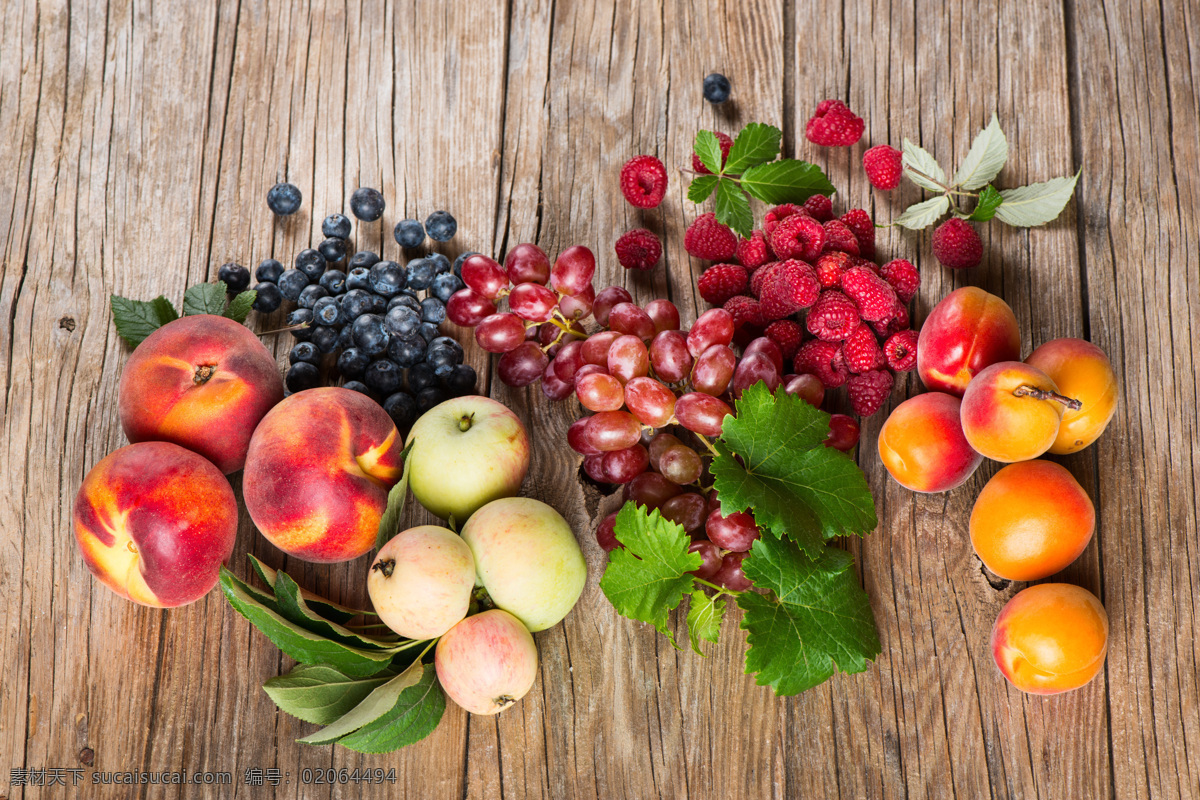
(357, 386)
(325, 338)
(268, 270)
(460, 380)
(327, 311)
(409, 233)
(304, 351)
(268, 298)
(310, 295)
(301, 316)
(367, 204)
(302, 375)
(402, 408)
(284, 199)
(369, 334)
(444, 286)
(359, 278)
(379, 304)
(429, 331)
(420, 377)
(429, 397)
(444, 354)
(352, 363)
(458, 262)
(363, 258)
(407, 351)
(336, 226)
(235, 276)
(345, 337)
(420, 274)
(387, 278)
(716, 88)
(355, 303)
(433, 310)
(332, 249)
(334, 281)
(384, 376)
(441, 264)
(441, 226)
(402, 321)
(311, 263)
(292, 283)
(406, 299)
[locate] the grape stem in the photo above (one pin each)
(707, 443)
(720, 589)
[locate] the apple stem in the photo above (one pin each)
(203, 373)
(1025, 390)
(465, 422)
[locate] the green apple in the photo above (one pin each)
(526, 559)
(466, 452)
(421, 581)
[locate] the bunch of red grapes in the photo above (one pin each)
(657, 394)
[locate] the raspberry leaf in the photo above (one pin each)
(704, 618)
(985, 207)
(923, 214)
(205, 298)
(708, 147)
(320, 694)
(733, 208)
(786, 181)
(239, 307)
(379, 702)
(985, 159)
(921, 168)
(137, 319)
(1037, 203)
(756, 144)
(417, 711)
(818, 621)
(702, 187)
(648, 577)
(164, 310)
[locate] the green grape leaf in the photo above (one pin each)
(417, 711)
(375, 705)
(239, 307)
(785, 181)
(923, 214)
(1037, 203)
(702, 187)
(985, 159)
(921, 168)
(648, 577)
(389, 522)
(758, 143)
(205, 298)
(817, 621)
(987, 205)
(137, 319)
(708, 148)
(733, 208)
(320, 694)
(704, 618)
(795, 486)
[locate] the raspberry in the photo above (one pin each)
(903, 277)
(833, 317)
(863, 226)
(819, 207)
(752, 253)
(798, 236)
(834, 125)
(830, 268)
(708, 239)
(883, 165)
(644, 181)
(897, 322)
(726, 143)
(823, 359)
(839, 238)
(721, 282)
(869, 391)
(790, 287)
(956, 244)
(777, 215)
(875, 299)
(900, 350)
(745, 311)
(759, 276)
(862, 351)
(786, 333)
(638, 249)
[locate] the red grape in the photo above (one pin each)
(612, 430)
(522, 366)
(651, 402)
(577, 306)
(709, 553)
(467, 308)
(650, 490)
(714, 502)
(595, 349)
(527, 263)
(532, 301)
(500, 333)
(701, 413)
(686, 510)
(752, 369)
(576, 439)
(843, 433)
(730, 574)
(665, 315)
(659, 444)
(628, 358)
(628, 318)
(606, 299)
(573, 270)
(568, 360)
(594, 467)
(767, 348)
(600, 392)
(735, 532)
(554, 387)
(714, 369)
(588, 369)
(680, 464)
(806, 387)
(485, 276)
(606, 533)
(622, 466)
(670, 357)
(714, 326)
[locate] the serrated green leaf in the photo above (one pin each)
(134, 319)
(702, 187)
(389, 523)
(164, 310)
(649, 576)
(733, 208)
(320, 694)
(985, 159)
(302, 645)
(293, 607)
(923, 214)
(326, 608)
(922, 169)
(795, 486)
(379, 702)
(239, 307)
(205, 298)
(819, 619)
(1037, 203)
(786, 181)
(704, 618)
(985, 207)
(708, 148)
(756, 144)
(414, 716)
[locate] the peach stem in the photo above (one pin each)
(1026, 390)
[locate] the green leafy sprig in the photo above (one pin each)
(137, 319)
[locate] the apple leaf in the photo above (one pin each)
(293, 607)
(415, 714)
(379, 702)
(326, 608)
(389, 523)
(320, 694)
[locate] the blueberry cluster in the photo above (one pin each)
(377, 320)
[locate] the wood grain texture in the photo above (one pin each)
(139, 142)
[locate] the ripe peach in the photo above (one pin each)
(922, 444)
(1012, 411)
(154, 522)
(1050, 638)
(486, 662)
(1081, 370)
(202, 382)
(318, 473)
(968, 330)
(1031, 520)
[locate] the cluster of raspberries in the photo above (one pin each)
(807, 281)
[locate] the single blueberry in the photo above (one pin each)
(384, 376)
(327, 311)
(406, 299)
(369, 334)
(336, 226)
(441, 226)
(311, 263)
(301, 316)
(419, 273)
(284, 199)
(302, 375)
(355, 303)
(460, 380)
(268, 270)
(359, 278)
(345, 337)
(441, 264)
(379, 304)
(420, 377)
(352, 363)
(334, 281)
(310, 295)
(292, 283)
(363, 258)
(444, 286)
(429, 397)
(304, 351)
(402, 321)
(332, 249)
(407, 351)
(325, 338)
(449, 345)
(429, 331)
(433, 310)
(267, 298)
(409, 233)
(367, 204)
(387, 278)
(235, 276)
(402, 408)
(716, 88)
(357, 386)
(458, 262)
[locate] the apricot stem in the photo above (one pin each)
(1025, 390)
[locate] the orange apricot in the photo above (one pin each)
(1011, 411)
(1031, 520)
(1050, 638)
(922, 444)
(1082, 371)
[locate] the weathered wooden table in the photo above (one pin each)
(137, 142)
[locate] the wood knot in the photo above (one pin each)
(87, 756)
(67, 323)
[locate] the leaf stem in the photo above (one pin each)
(720, 589)
(707, 443)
